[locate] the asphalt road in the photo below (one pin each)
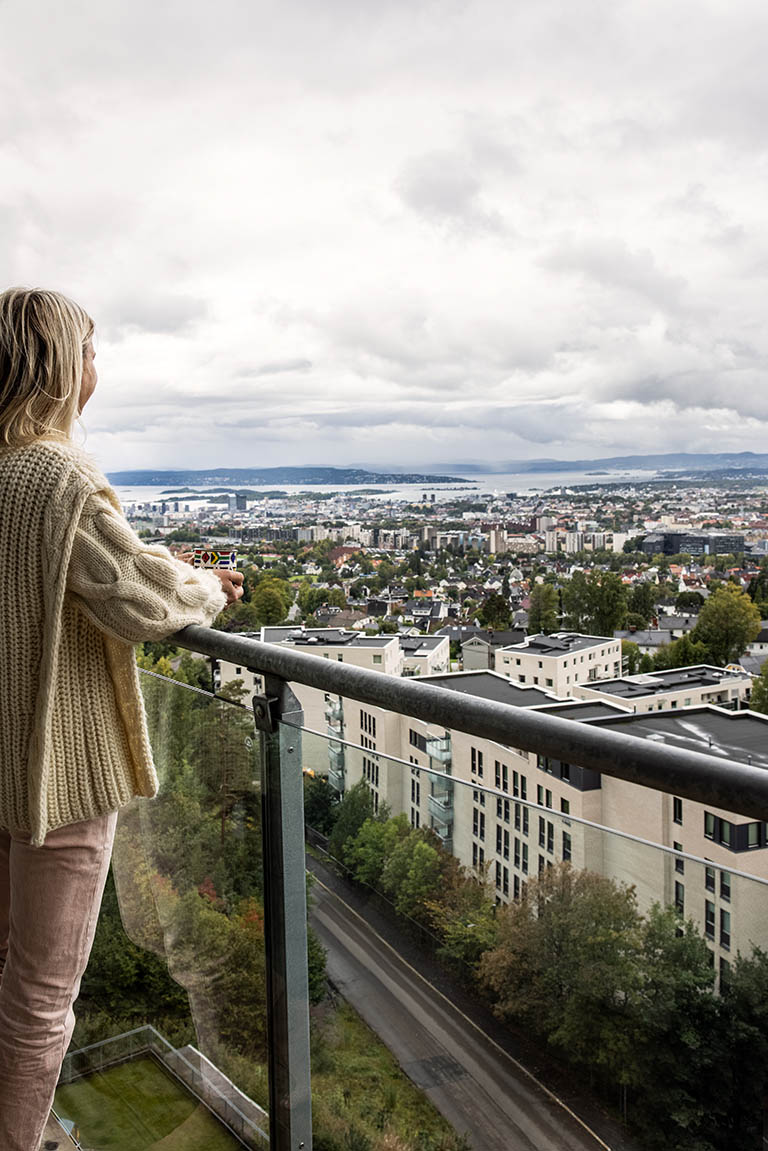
(476, 1085)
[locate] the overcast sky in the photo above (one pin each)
(374, 231)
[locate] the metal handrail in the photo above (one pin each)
(723, 783)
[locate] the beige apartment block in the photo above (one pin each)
(561, 661)
(673, 689)
(513, 813)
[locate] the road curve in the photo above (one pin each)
(480, 1089)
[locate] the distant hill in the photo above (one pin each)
(271, 477)
(670, 461)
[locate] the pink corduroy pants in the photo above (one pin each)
(49, 904)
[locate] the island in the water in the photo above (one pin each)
(271, 476)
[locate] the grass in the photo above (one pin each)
(358, 1087)
(137, 1106)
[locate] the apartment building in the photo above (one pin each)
(677, 688)
(560, 661)
(514, 813)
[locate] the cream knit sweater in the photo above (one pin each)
(78, 589)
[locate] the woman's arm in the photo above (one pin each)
(136, 591)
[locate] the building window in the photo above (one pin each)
(517, 853)
(725, 928)
(497, 774)
(753, 835)
(525, 821)
(506, 811)
(517, 886)
(725, 885)
(725, 969)
(709, 919)
(477, 762)
(679, 863)
(504, 777)
(677, 810)
(505, 881)
(550, 837)
(498, 875)
(515, 783)
(498, 840)
(548, 798)
(566, 846)
(565, 772)
(679, 898)
(709, 878)
(709, 825)
(525, 859)
(377, 659)
(565, 806)
(517, 817)
(725, 832)
(542, 831)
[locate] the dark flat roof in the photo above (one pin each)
(324, 637)
(586, 709)
(561, 642)
(737, 735)
(490, 685)
(658, 682)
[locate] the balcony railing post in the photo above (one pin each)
(285, 918)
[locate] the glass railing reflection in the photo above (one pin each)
(171, 1040)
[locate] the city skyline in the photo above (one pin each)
(403, 234)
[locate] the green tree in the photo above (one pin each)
(683, 652)
(565, 963)
(758, 700)
(744, 1019)
(642, 601)
(369, 852)
(321, 803)
(595, 603)
(689, 601)
(631, 652)
(676, 1021)
(355, 808)
(727, 623)
(269, 604)
(542, 610)
(495, 613)
(411, 875)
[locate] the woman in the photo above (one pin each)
(77, 590)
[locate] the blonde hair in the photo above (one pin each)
(42, 339)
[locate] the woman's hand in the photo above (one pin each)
(232, 583)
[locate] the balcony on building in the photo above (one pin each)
(439, 748)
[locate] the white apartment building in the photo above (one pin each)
(677, 688)
(561, 661)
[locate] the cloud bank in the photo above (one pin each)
(397, 233)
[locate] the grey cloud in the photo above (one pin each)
(614, 264)
(151, 311)
(442, 187)
(275, 368)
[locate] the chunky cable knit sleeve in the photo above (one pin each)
(131, 590)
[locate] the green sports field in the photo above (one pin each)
(137, 1106)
